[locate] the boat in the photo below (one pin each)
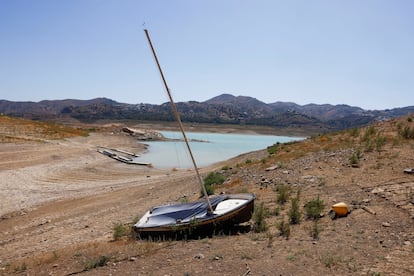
(409, 171)
(194, 218)
(121, 158)
(202, 217)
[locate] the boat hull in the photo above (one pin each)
(237, 208)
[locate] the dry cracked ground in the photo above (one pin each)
(63, 206)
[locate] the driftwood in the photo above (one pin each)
(369, 210)
(247, 271)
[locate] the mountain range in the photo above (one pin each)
(223, 109)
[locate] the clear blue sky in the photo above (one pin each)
(354, 52)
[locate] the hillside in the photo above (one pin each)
(84, 199)
(17, 130)
(223, 109)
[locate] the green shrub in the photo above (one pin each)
(380, 142)
(120, 230)
(294, 212)
(209, 190)
(274, 148)
(369, 145)
(284, 229)
(315, 230)
(406, 132)
(370, 131)
(355, 157)
(283, 193)
(214, 178)
(259, 222)
(94, 263)
(314, 208)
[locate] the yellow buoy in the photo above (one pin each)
(341, 209)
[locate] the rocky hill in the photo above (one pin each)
(223, 109)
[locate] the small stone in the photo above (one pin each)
(199, 256)
(377, 191)
(407, 243)
(386, 224)
(272, 168)
(132, 259)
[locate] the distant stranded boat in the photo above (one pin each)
(122, 158)
(201, 217)
(409, 171)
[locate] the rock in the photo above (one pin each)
(272, 168)
(386, 224)
(366, 200)
(407, 243)
(308, 177)
(132, 259)
(199, 256)
(332, 214)
(377, 190)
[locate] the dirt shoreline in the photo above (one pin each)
(39, 172)
(61, 200)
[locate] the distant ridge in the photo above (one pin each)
(222, 109)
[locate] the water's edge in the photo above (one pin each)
(219, 147)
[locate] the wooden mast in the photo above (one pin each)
(180, 124)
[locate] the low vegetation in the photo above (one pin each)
(283, 193)
(355, 157)
(22, 130)
(259, 216)
(211, 180)
(94, 263)
(314, 208)
(284, 228)
(315, 230)
(406, 132)
(273, 149)
(120, 230)
(294, 212)
(285, 217)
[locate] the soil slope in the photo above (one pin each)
(61, 202)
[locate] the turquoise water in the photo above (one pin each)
(215, 147)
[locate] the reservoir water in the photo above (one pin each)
(208, 148)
